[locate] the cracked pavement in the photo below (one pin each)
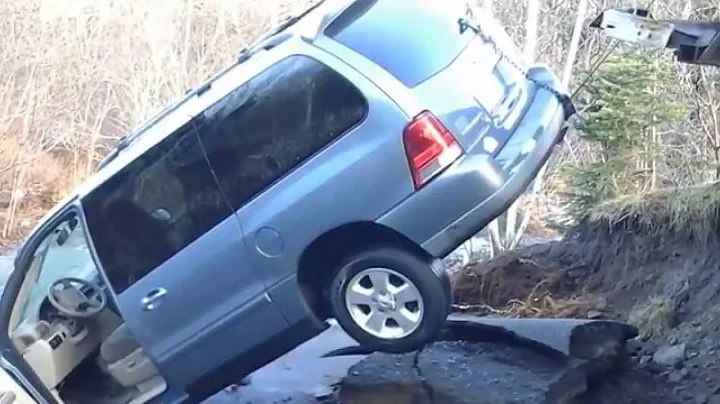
(429, 389)
(498, 361)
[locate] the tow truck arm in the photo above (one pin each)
(693, 42)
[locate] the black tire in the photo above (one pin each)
(425, 275)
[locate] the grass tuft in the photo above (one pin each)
(638, 229)
(676, 212)
(654, 319)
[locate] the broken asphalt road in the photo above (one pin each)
(492, 360)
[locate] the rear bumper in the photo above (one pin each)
(452, 236)
(478, 188)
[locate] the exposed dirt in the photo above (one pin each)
(658, 273)
(632, 386)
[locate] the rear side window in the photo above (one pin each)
(411, 39)
(274, 122)
(153, 208)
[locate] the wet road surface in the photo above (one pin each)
(296, 377)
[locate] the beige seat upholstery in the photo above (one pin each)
(125, 359)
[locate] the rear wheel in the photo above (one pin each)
(389, 299)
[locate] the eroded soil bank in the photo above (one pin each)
(653, 263)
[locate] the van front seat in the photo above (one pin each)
(126, 362)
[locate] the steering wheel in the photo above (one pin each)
(68, 298)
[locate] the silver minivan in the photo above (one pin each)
(324, 174)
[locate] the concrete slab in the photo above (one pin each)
(585, 339)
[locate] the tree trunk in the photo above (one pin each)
(574, 43)
(531, 25)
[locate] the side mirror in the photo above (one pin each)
(62, 236)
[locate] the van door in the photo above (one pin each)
(18, 381)
(173, 252)
(271, 156)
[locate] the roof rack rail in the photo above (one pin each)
(128, 139)
(266, 44)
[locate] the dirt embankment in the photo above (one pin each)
(651, 261)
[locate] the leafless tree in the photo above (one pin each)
(74, 76)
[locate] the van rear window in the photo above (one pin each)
(411, 39)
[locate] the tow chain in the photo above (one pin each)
(565, 100)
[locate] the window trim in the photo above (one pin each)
(26, 252)
(306, 160)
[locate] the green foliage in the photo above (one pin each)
(630, 100)
(591, 184)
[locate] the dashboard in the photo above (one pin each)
(49, 325)
(54, 344)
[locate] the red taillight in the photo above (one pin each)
(430, 147)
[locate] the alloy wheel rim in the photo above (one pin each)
(384, 303)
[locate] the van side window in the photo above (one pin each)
(153, 208)
(274, 122)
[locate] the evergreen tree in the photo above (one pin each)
(631, 101)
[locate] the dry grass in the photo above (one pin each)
(601, 253)
(638, 229)
(533, 306)
(546, 306)
(653, 319)
(76, 75)
(611, 252)
(694, 210)
(514, 285)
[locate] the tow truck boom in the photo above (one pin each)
(693, 42)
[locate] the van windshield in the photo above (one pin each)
(411, 39)
(65, 252)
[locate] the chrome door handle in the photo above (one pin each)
(152, 300)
